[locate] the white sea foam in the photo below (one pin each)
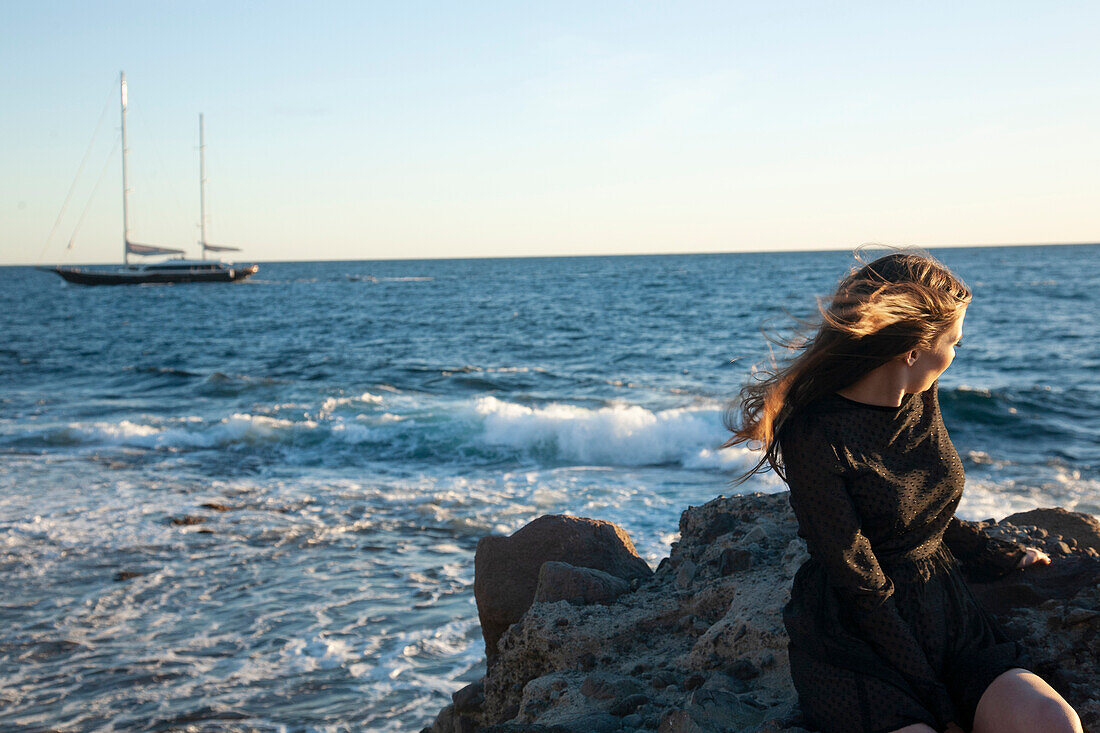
(985, 498)
(331, 404)
(617, 435)
(623, 435)
(121, 433)
(237, 428)
(319, 652)
(354, 433)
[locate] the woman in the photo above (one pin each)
(884, 633)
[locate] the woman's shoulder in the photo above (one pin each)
(825, 415)
(810, 438)
(816, 424)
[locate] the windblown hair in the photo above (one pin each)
(881, 310)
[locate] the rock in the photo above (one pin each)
(722, 681)
(756, 534)
(216, 506)
(734, 559)
(469, 698)
(444, 722)
(624, 693)
(794, 556)
(685, 574)
(1077, 615)
(714, 527)
(628, 705)
(1060, 580)
(123, 575)
(743, 669)
(638, 659)
(595, 723)
(694, 682)
(680, 721)
(712, 710)
(1083, 528)
(186, 520)
(663, 678)
(506, 569)
(560, 581)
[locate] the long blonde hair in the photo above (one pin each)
(880, 310)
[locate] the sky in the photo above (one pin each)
(372, 130)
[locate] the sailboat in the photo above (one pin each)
(176, 270)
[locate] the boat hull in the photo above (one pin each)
(91, 277)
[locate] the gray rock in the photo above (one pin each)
(721, 681)
(734, 559)
(1083, 528)
(650, 637)
(723, 709)
(680, 721)
(560, 581)
(755, 534)
(628, 705)
(663, 678)
(470, 698)
(744, 670)
(709, 711)
(603, 686)
(1077, 615)
(594, 723)
(685, 574)
(444, 722)
(506, 569)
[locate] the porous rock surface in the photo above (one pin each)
(506, 569)
(699, 646)
(560, 581)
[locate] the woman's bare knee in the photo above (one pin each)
(1020, 701)
(1055, 714)
(915, 728)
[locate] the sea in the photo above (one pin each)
(256, 506)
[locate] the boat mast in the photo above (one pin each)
(202, 188)
(125, 191)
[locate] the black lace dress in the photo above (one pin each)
(884, 631)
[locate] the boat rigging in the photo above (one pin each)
(176, 270)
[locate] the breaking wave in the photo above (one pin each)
(617, 435)
(487, 429)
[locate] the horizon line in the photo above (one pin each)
(868, 245)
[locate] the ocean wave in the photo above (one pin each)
(368, 428)
(986, 498)
(237, 428)
(1029, 416)
(332, 404)
(618, 435)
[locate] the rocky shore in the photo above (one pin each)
(582, 636)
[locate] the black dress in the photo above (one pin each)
(883, 630)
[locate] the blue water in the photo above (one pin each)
(357, 426)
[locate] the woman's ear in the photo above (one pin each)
(911, 358)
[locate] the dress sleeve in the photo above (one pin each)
(981, 556)
(831, 526)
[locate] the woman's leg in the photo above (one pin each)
(915, 728)
(1021, 702)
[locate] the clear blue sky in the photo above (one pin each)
(366, 130)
